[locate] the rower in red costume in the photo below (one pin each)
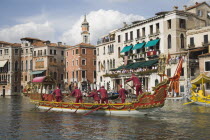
(58, 94)
(104, 95)
(95, 96)
(78, 94)
(136, 83)
(122, 94)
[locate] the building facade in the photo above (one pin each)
(138, 46)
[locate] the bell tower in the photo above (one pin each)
(85, 31)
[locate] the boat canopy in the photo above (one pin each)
(202, 78)
(43, 79)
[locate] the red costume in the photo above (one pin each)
(122, 94)
(78, 94)
(95, 96)
(136, 83)
(104, 95)
(58, 95)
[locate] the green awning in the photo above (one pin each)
(37, 72)
(149, 63)
(152, 43)
(138, 46)
(126, 49)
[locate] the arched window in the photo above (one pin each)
(112, 48)
(156, 82)
(182, 40)
(16, 65)
(99, 66)
(55, 75)
(104, 50)
(107, 64)
(113, 63)
(26, 65)
(9, 66)
(108, 49)
(169, 41)
(21, 65)
(104, 66)
(31, 64)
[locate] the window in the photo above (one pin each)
(169, 41)
(113, 63)
(62, 62)
(143, 32)
(192, 41)
(119, 39)
(157, 28)
(207, 86)
(62, 52)
(126, 36)
(72, 52)
(45, 51)
(76, 74)
(67, 63)
(31, 64)
(104, 50)
(182, 23)
(55, 75)
(137, 33)
(199, 13)
(169, 24)
(83, 62)
(151, 29)
(21, 65)
(77, 63)
(83, 74)
(54, 52)
(73, 63)
(94, 51)
(67, 53)
(73, 74)
(98, 51)
(207, 66)
(182, 40)
(0, 52)
(21, 51)
(54, 60)
(6, 51)
(169, 72)
(99, 66)
(50, 51)
(94, 62)
(77, 51)
(26, 78)
(83, 51)
(16, 51)
(61, 76)
(192, 71)
(208, 14)
(26, 51)
(181, 88)
(67, 75)
(205, 39)
(182, 72)
(26, 65)
(16, 66)
(94, 74)
(131, 35)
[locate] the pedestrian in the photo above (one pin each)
(78, 94)
(95, 96)
(58, 94)
(104, 95)
(136, 83)
(122, 94)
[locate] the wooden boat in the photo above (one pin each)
(199, 97)
(143, 104)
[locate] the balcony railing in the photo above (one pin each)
(153, 53)
(191, 45)
(84, 79)
(143, 37)
(73, 80)
(205, 43)
(3, 82)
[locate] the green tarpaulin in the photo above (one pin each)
(138, 46)
(152, 43)
(37, 72)
(126, 49)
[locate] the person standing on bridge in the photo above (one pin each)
(136, 83)
(78, 94)
(122, 94)
(104, 95)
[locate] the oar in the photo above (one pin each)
(76, 110)
(94, 110)
(49, 109)
(188, 103)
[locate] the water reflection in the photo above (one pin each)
(18, 120)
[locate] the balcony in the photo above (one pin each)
(138, 38)
(3, 82)
(151, 35)
(84, 79)
(128, 41)
(191, 45)
(142, 37)
(205, 43)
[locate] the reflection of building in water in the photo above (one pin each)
(135, 48)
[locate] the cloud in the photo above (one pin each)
(101, 22)
(13, 34)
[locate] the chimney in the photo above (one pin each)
(47, 42)
(125, 24)
(185, 7)
(59, 43)
(175, 8)
(196, 3)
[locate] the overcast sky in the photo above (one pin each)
(60, 20)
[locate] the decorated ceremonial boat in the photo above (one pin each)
(198, 96)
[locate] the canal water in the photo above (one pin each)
(20, 121)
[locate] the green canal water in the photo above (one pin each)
(19, 121)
